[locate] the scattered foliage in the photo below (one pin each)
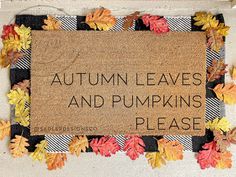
(18, 146)
(55, 160)
(216, 70)
(5, 127)
(226, 92)
(78, 144)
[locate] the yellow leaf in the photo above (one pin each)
(55, 160)
(51, 23)
(233, 73)
(4, 129)
(226, 92)
(100, 19)
(18, 146)
(222, 29)
(25, 37)
(219, 124)
(40, 151)
(155, 159)
(225, 160)
(206, 20)
(78, 144)
(12, 43)
(18, 96)
(22, 115)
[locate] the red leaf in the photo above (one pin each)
(134, 146)
(209, 156)
(105, 146)
(7, 30)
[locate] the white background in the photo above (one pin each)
(89, 164)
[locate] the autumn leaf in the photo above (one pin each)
(105, 146)
(8, 30)
(225, 160)
(40, 151)
(221, 124)
(25, 36)
(5, 127)
(155, 159)
(222, 140)
(216, 70)
(232, 136)
(172, 150)
(12, 43)
(55, 160)
(233, 72)
(100, 19)
(24, 85)
(18, 96)
(9, 57)
(226, 92)
(51, 23)
(206, 20)
(22, 115)
(214, 40)
(209, 156)
(222, 29)
(18, 146)
(129, 20)
(134, 146)
(78, 144)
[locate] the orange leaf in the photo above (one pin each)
(232, 136)
(215, 40)
(9, 57)
(226, 93)
(51, 23)
(216, 70)
(78, 144)
(18, 146)
(4, 129)
(225, 160)
(55, 160)
(129, 20)
(24, 85)
(100, 19)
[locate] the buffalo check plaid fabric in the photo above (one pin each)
(59, 143)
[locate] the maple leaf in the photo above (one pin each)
(226, 92)
(5, 127)
(22, 115)
(134, 146)
(18, 146)
(225, 160)
(233, 72)
(206, 20)
(18, 96)
(209, 156)
(216, 70)
(8, 30)
(24, 85)
(214, 40)
(78, 144)
(55, 160)
(155, 159)
(172, 150)
(222, 140)
(221, 124)
(100, 19)
(222, 29)
(105, 146)
(129, 20)
(25, 37)
(40, 151)
(9, 57)
(51, 23)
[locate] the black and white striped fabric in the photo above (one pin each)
(59, 143)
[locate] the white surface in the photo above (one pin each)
(119, 165)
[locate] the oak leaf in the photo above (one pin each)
(105, 146)
(8, 30)
(209, 156)
(5, 127)
(100, 19)
(225, 160)
(24, 85)
(51, 23)
(206, 20)
(129, 20)
(25, 36)
(18, 146)
(40, 151)
(155, 159)
(55, 160)
(226, 92)
(9, 57)
(134, 146)
(232, 136)
(222, 140)
(18, 96)
(233, 72)
(214, 40)
(220, 124)
(78, 144)
(22, 115)
(216, 70)
(172, 150)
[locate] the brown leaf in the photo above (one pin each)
(215, 40)
(55, 160)
(24, 85)
(216, 70)
(129, 20)
(222, 141)
(9, 57)
(226, 92)
(232, 136)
